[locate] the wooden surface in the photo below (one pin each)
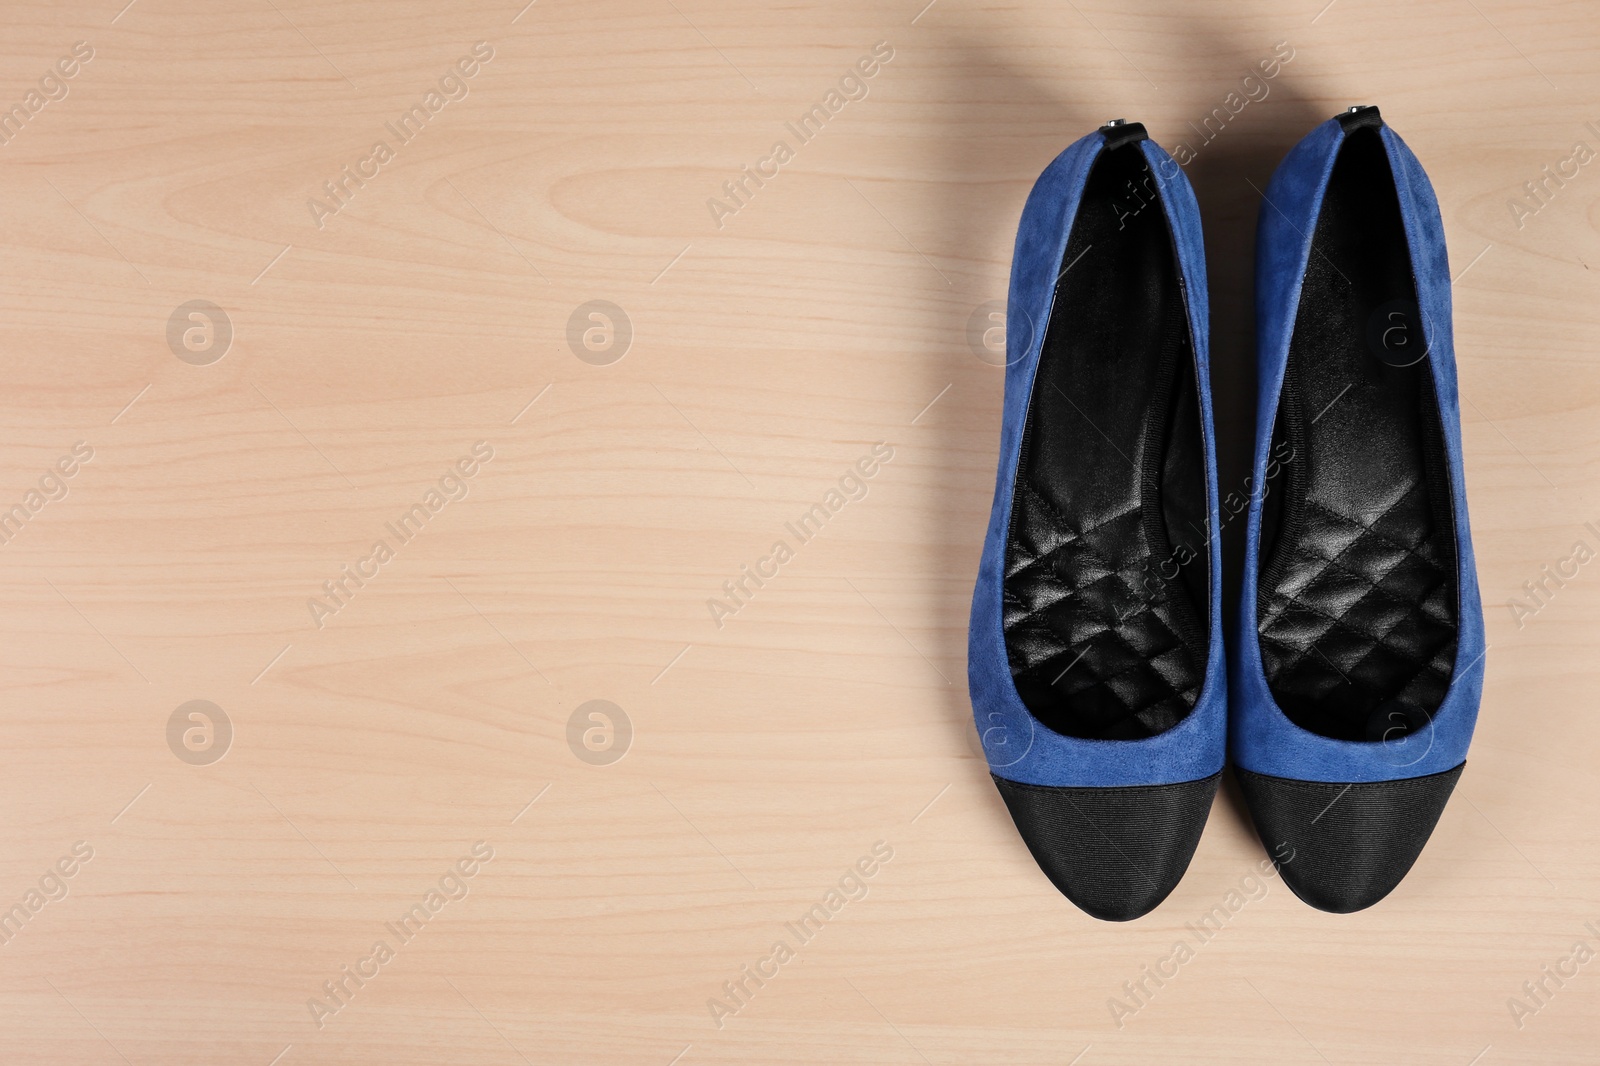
(769, 347)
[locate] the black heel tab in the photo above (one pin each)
(1118, 133)
(1359, 118)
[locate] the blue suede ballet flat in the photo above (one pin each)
(1360, 652)
(1095, 649)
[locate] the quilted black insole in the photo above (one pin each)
(1107, 560)
(1357, 600)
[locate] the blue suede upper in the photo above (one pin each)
(1261, 738)
(1017, 746)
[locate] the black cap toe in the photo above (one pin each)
(1115, 852)
(1343, 847)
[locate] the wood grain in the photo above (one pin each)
(772, 347)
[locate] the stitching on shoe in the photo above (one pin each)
(1297, 670)
(1058, 572)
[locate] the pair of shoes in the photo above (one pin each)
(1099, 683)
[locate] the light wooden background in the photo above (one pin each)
(768, 755)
